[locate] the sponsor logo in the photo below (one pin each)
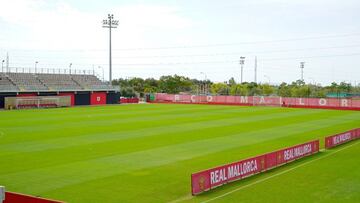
(98, 99)
(233, 171)
(297, 152)
(202, 183)
(341, 138)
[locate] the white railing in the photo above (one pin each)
(47, 71)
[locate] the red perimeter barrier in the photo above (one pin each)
(27, 95)
(129, 100)
(338, 139)
(321, 103)
(211, 178)
(12, 197)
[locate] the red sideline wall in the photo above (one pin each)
(325, 103)
(98, 98)
(27, 95)
(339, 139)
(72, 96)
(214, 177)
(11, 197)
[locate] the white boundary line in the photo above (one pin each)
(278, 174)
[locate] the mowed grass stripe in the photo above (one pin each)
(48, 178)
(90, 151)
(181, 125)
(39, 130)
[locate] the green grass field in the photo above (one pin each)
(146, 153)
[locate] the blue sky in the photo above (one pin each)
(186, 37)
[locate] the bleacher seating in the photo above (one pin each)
(50, 82)
(6, 84)
(27, 82)
(59, 82)
(90, 82)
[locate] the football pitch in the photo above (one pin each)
(146, 153)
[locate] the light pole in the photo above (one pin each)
(2, 65)
(102, 72)
(242, 62)
(205, 85)
(267, 78)
(36, 62)
(110, 23)
(302, 65)
(70, 68)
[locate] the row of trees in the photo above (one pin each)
(180, 84)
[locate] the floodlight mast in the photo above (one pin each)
(242, 62)
(110, 23)
(302, 65)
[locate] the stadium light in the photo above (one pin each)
(36, 62)
(2, 65)
(205, 85)
(110, 23)
(302, 65)
(70, 68)
(102, 72)
(242, 62)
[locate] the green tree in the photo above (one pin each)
(219, 89)
(239, 89)
(267, 89)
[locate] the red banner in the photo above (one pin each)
(211, 178)
(327, 103)
(338, 139)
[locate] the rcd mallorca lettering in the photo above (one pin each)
(233, 171)
(296, 152)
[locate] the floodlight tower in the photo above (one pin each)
(110, 23)
(242, 62)
(36, 62)
(70, 68)
(205, 85)
(302, 65)
(2, 65)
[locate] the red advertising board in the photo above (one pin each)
(98, 98)
(338, 139)
(322, 103)
(211, 178)
(27, 95)
(12, 197)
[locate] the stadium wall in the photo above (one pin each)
(98, 98)
(323, 103)
(113, 98)
(3, 96)
(27, 95)
(82, 98)
(77, 98)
